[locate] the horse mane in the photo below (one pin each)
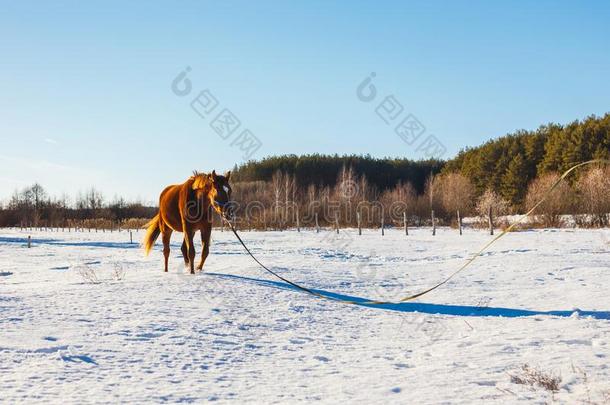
(199, 180)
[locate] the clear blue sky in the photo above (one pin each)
(85, 97)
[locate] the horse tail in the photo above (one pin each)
(152, 233)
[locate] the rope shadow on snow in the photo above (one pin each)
(431, 309)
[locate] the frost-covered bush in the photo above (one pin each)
(554, 203)
(499, 206)
(594, 190)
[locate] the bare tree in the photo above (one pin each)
(35, 197)
(398, 201)
(346, 193)
(456, 193)
(594, 188)
(290, 188)
(94, 199)
(433, 195)
(556, 202)
(277, 183)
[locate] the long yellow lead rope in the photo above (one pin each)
(465, 265)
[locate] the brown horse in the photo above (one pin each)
(188, 208)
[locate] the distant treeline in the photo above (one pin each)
(32, 206)
(509, 164)
(322, 170)
(506, 165)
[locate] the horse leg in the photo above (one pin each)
(191, 250)
(205, 241)
(167, 235)
(185, 254)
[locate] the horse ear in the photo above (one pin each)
(228, 175)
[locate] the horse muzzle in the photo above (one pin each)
(225, 209)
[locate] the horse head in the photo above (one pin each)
(218, 191)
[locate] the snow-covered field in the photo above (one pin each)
(233, 333)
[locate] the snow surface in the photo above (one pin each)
(233, 333)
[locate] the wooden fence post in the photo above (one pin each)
(337, 223)
(382, 227)
(359, 224)
(29, 241)
(459, 219)
(404, 219)
(433, 224)
(130, 237)
(317, 224)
